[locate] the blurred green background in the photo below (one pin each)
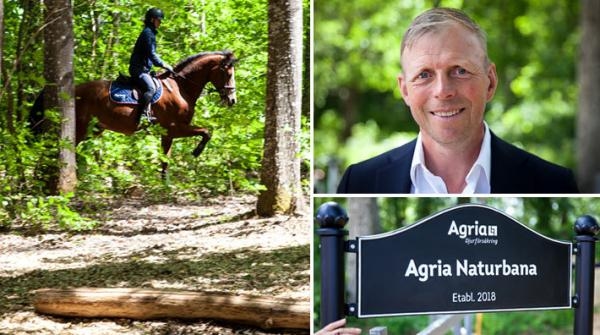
(358, 110)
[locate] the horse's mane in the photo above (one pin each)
(184, 63)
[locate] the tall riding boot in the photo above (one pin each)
(145, 101)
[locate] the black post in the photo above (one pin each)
(586, 229)
(332, 218)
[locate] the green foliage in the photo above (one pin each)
(21, 187)
(113, 165)
(552, 322)
(357, 60)
(41, 212)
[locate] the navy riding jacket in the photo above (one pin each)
(144, 54)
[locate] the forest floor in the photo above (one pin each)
(216, 245)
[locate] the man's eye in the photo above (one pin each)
(424, 75)
(460, 71)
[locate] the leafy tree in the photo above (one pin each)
(113, 165)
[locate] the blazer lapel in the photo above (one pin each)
(394, 177)
(506, 174)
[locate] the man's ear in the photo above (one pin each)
(493, 78)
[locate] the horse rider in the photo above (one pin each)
(143, 57)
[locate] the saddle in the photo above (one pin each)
(124, 91)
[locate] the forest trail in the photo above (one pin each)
(216, 245)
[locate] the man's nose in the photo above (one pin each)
(444, 87)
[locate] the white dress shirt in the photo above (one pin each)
(478, 178)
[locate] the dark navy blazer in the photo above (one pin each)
(144, 53)
(513, 171)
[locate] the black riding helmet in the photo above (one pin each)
(154, 13)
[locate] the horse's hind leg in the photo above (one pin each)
(84, 120)
(205, 138)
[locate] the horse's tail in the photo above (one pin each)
(37, 118)
(46, 170)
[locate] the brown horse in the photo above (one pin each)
(174, 110)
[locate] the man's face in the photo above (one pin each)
(156, 21)
(446, 83)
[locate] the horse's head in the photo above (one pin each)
(215, 66)
(223, 78)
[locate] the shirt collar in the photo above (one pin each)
(152, 28)
(478, 178)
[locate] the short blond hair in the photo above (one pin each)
(435, 18)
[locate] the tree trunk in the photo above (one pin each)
(588, 118)
(306, 55)
(280, 172)
(364, 220)
(59, 91)
(1, 32)
(142, 304)
(2, 119)
(349, 98)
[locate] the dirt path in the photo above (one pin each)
(216, 245)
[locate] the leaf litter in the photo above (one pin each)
(217, 245)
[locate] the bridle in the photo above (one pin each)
(227, 88)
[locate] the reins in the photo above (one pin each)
(177, 75)
(208, 90)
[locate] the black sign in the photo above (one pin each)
(468, 258)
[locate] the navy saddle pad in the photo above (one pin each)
(123, 93)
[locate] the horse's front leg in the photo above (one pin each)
(166, 142)
(205, 138)
(186, 130)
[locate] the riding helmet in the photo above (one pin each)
(154, 13)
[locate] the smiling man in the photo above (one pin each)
(446, 80)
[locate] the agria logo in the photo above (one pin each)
(464, 231)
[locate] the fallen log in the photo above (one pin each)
(142, 304)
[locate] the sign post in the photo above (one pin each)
(586, 229)
(332, 218)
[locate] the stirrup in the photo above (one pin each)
(147, 112)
